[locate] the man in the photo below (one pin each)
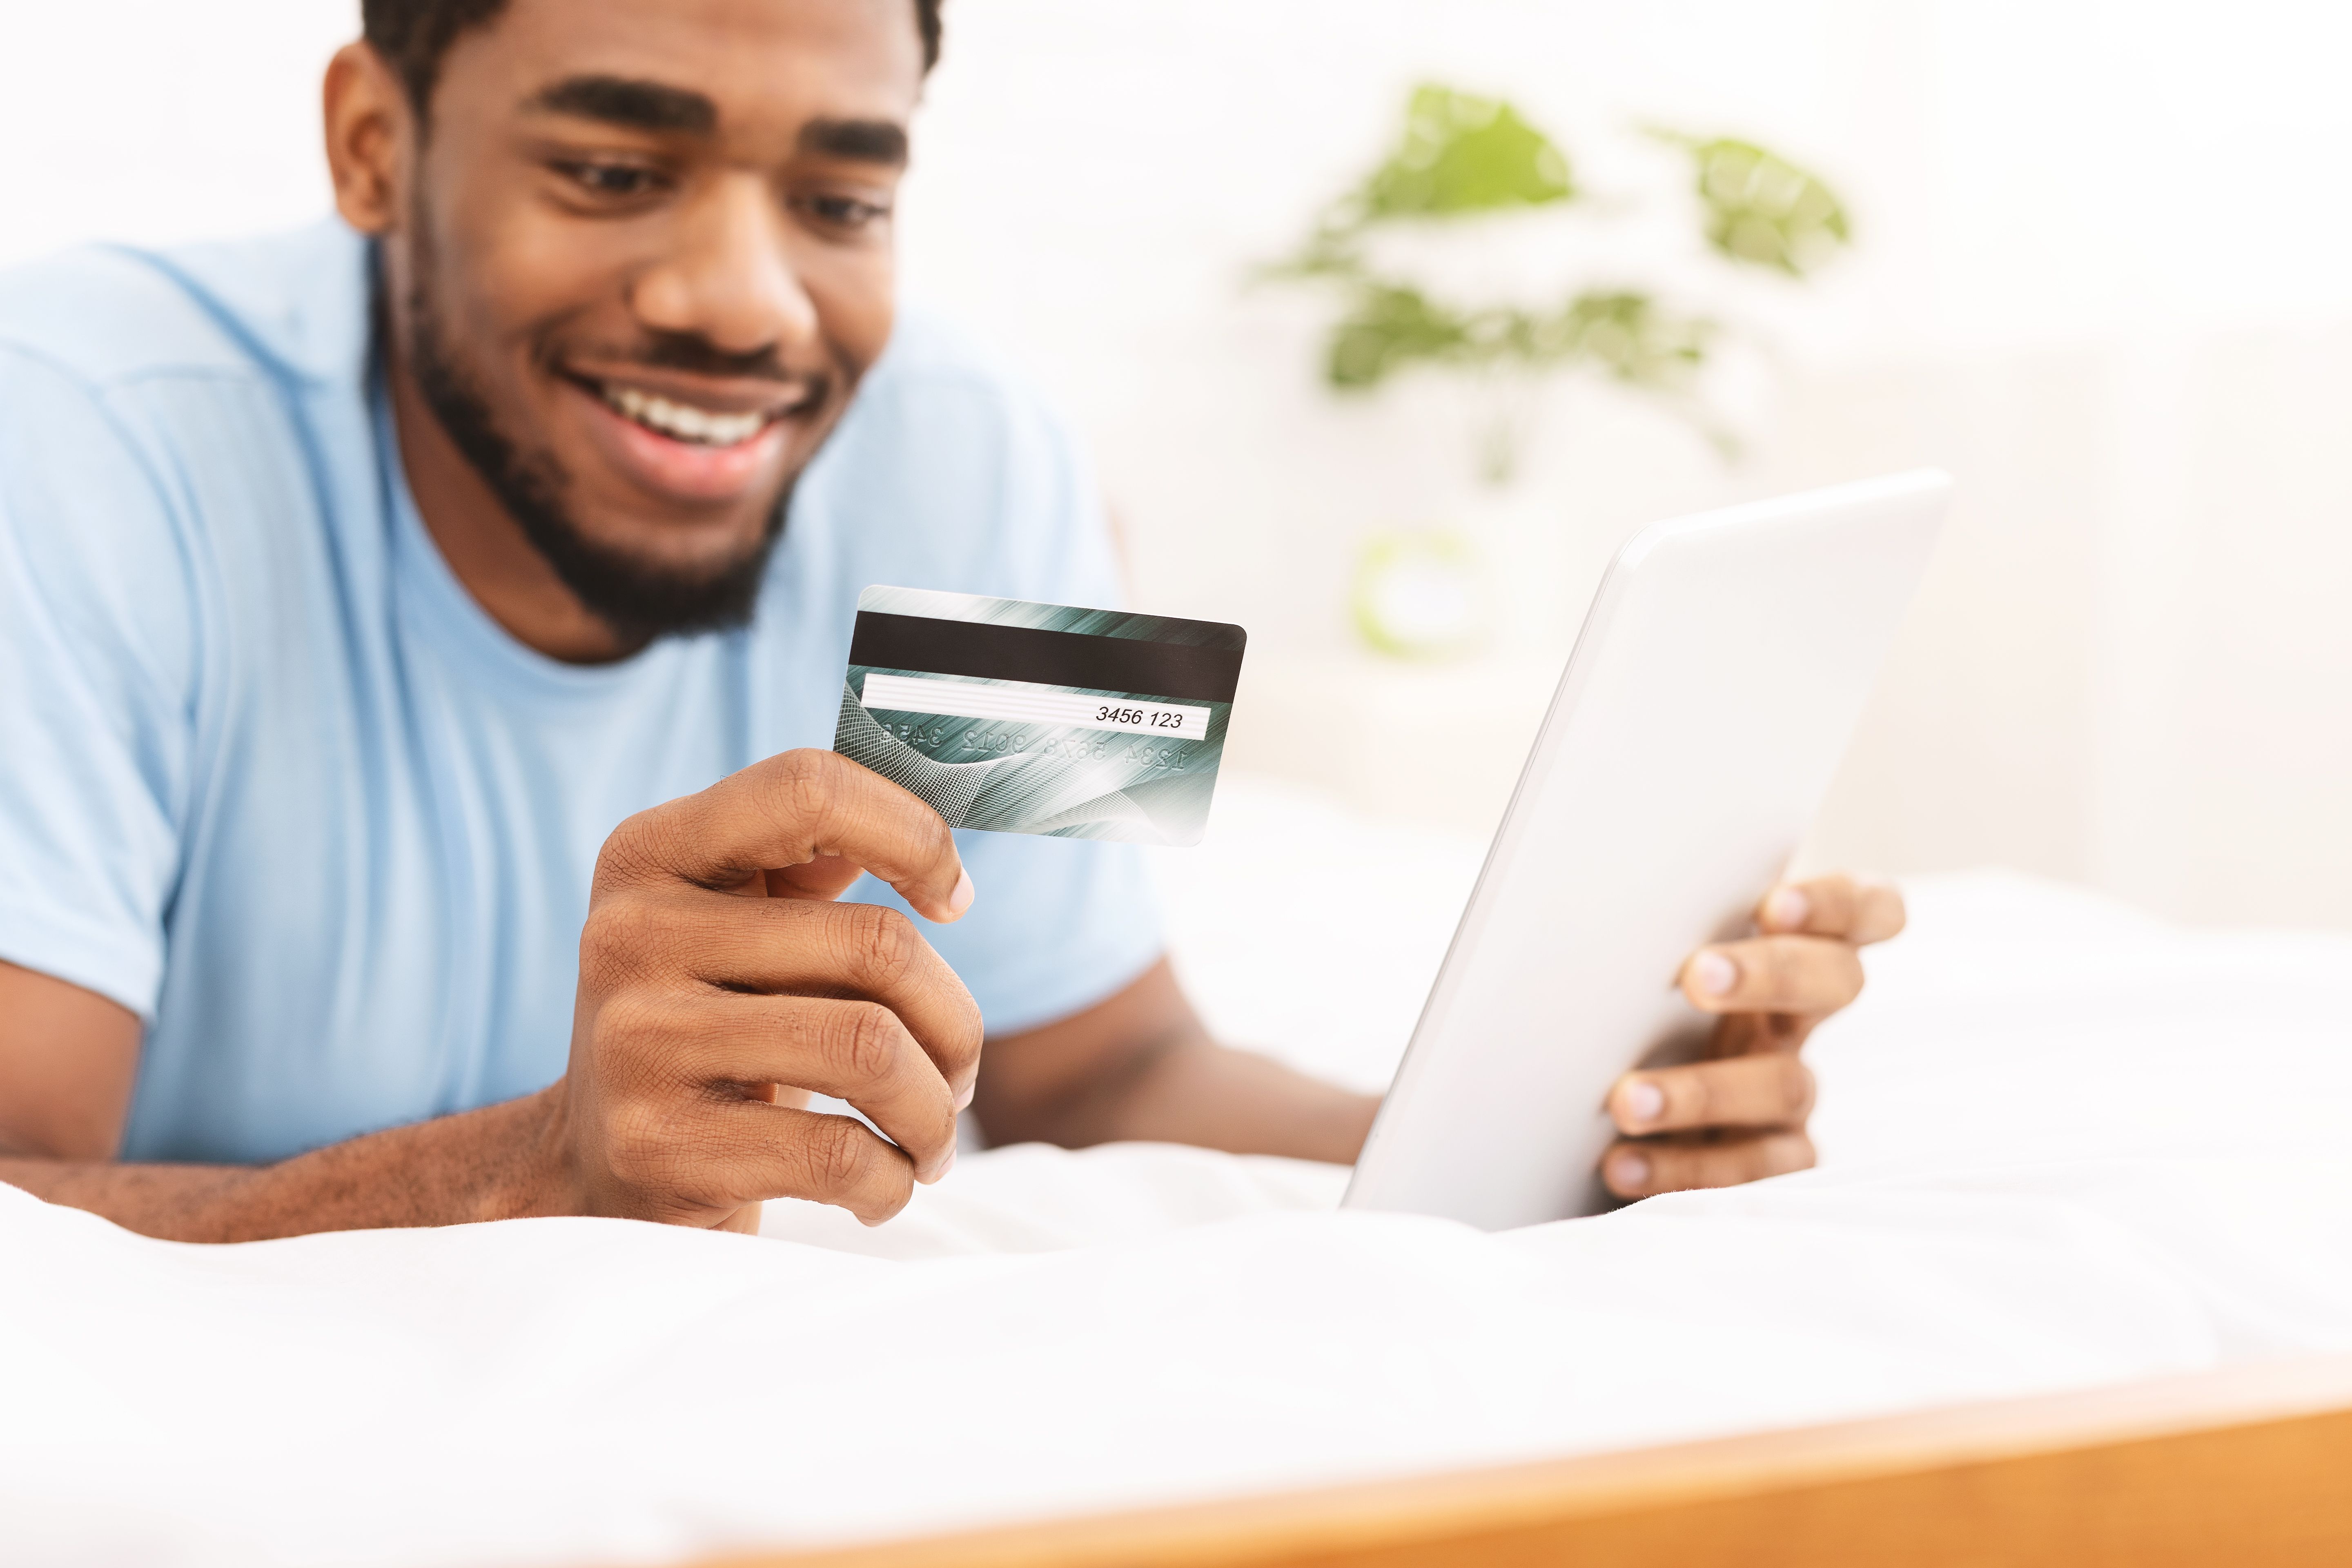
(418, 642)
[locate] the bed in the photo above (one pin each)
(2246, 1468)
(2074, 1283)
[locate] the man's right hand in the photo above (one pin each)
(716, 969)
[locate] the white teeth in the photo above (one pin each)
(683, 421)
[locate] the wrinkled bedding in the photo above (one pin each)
(2063, 1144)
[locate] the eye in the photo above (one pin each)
(612, 181)
(849, 213)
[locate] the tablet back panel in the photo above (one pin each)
(1711, 693)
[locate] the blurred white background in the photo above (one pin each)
(2099, 273)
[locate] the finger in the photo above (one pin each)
(1770, 1090)
(786, 812)
(782, 946)
(855, 1051)
(762, 1151)
(705, 1162)
(1773, 974)
(1755, 1034)
(1858, 910)
(1640, 1170)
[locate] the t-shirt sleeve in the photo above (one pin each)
(96, 668)
(1058, 924)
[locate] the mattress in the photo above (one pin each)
(2063, 1144)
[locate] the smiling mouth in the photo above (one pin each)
(684, 422)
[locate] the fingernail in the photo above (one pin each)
(1642, 1100)
(1714, 973)
(961, 899)
(963, 1101)
(1629, 1171)
(945, 1166)
(1788, 908)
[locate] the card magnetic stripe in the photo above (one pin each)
(1173, 671)
(977, 609)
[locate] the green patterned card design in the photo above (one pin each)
(1026, 717)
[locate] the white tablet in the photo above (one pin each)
(1710, 695)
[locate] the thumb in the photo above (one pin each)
(826, 877)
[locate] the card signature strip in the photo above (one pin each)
(1034, 705)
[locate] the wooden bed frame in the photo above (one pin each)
(2250, 1468)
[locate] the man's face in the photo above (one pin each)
(647, 258)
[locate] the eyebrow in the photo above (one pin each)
(623, 100)
(657, 106)
(862, 141)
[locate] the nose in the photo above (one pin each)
(729, 278)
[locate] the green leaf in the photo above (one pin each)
(1390, 326)
(1624, 335)
(1633, 339)
(1763, 209)
(1461, 153)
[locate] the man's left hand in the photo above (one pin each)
(1740, 1115)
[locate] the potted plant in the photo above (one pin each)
(1461, 157)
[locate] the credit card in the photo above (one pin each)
(1025, 718)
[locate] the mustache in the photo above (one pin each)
(700, 356)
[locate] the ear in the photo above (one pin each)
(371, 138)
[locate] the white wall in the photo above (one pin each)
(2100, 276)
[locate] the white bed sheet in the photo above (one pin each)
(2063, 1144)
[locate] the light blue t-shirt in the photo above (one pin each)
(271, 778)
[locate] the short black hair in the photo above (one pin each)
(413, 36)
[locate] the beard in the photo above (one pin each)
(639, 600)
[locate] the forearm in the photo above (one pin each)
(1220, 1097)
(496, 1163)
(1193, 1090)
